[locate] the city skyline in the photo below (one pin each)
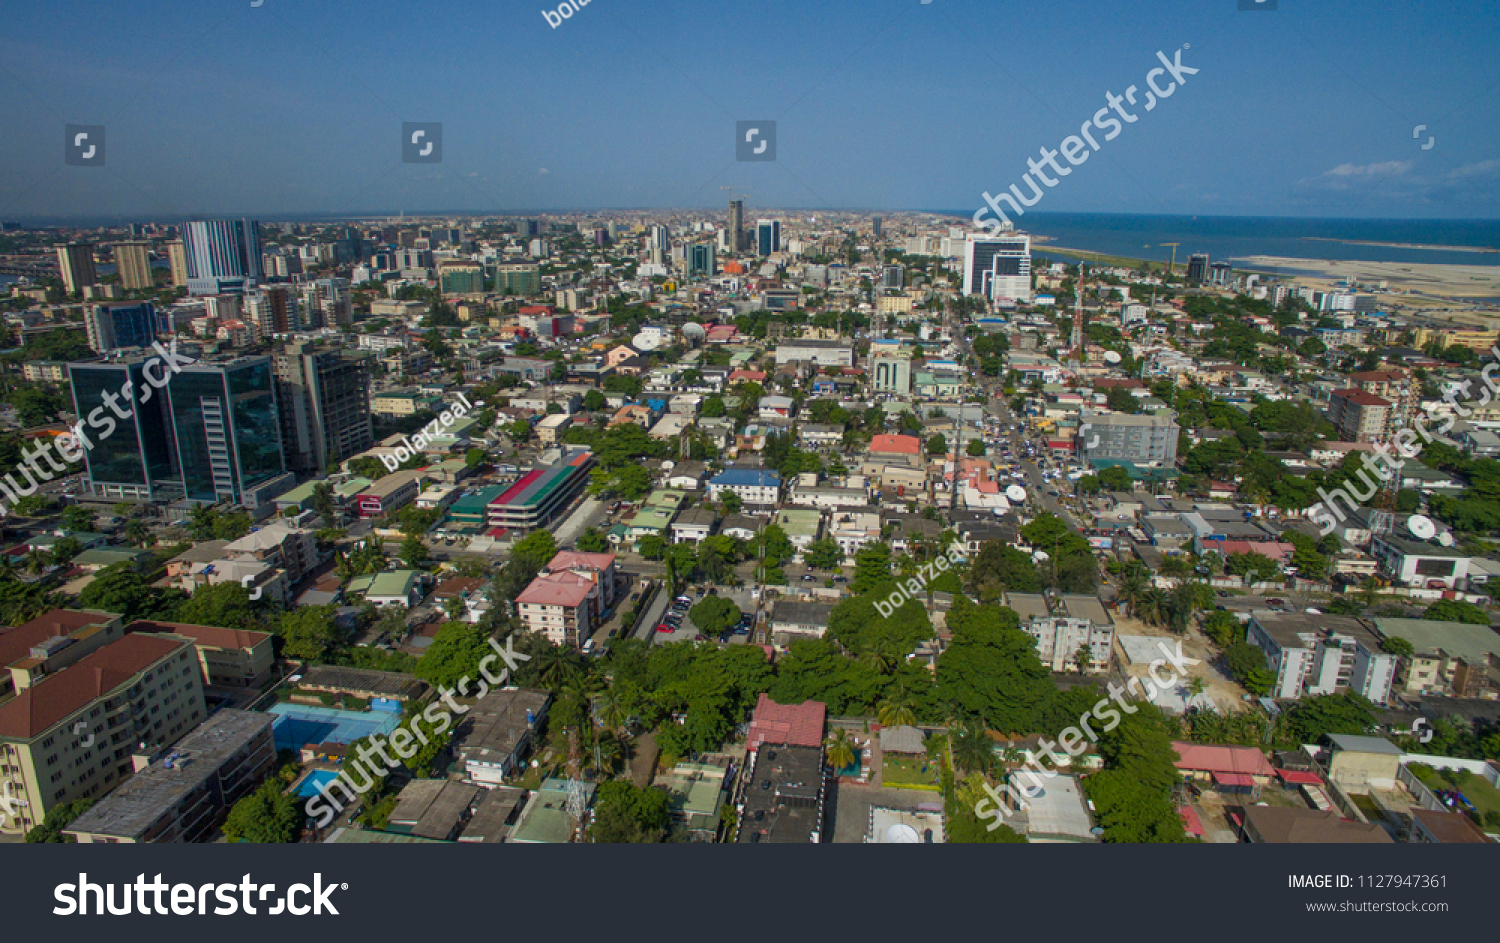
(896, 106)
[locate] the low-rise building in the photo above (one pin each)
(1322, 654)
(231, 658)
(494, 737)
(185, 794)
(759, 487)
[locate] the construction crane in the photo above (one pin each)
(1172, 266)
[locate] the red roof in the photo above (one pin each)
(798, 725)
(1201, 757)
(47, 702)
(1190, 820)
(1361, 398)
(1233, 779)
(1299, 778)
(896, 444)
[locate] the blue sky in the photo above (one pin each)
(215, 107)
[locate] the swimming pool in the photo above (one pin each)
(313, 781)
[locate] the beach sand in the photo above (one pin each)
(1456, 282)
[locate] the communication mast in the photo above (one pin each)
(1075, 353)
(577, 800)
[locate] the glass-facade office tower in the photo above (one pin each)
(211, 433)
(227, 428)
(222, 255)
(112, 326)
(767, 236)
(128, 446)
(998, 267)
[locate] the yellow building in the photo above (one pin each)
(73, 734)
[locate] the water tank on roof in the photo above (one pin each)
(902, 834)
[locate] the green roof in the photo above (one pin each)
(394, 583)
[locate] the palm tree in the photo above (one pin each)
(1152, 605)
(1368, 588)
(554, 666)
(454, 607)
(137, 533)
(37, 561)
(896, 712)
(839, 750)
(878, 658)
(1133, 585)
(973, 750)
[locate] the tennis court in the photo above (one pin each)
(298, 724)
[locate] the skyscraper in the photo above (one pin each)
(1197, 270)
(222, 255)
(323, 398)
(272, 309)
(767, 236)
(76, 259)
(701, 259)
(878, 226)
(133, 263)
(998, 267)
(227, 429)
(736, 225)
(177, 259)
(112, 326)
(128, 449)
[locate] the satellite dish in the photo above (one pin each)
(1016, 493)
(1112, 356)
(1446, 538)
(644, 342)
(1040, 556)
(1421, 527)
(694, 333)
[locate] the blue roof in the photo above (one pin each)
(747, 476)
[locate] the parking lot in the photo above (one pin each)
(685, 631)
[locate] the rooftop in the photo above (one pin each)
(150, 795)
(1285, 826)
(790, 724)
(41, 706)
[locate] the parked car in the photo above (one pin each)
(663, 627)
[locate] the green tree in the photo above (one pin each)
(976, 448)
(714, 614)
(413, 551)
(593, 542)
(626, 813)
(454, 654)
(872, 567)
(1247, 664)
(309, 632)
(838, 750)
(825, 554)
(77, 518)
(226, 605)
(594, 400)
(937, 445)
(59, 817)
(266, 816)
(1456, 610)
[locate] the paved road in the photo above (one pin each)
(1038, 486)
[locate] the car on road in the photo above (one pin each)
(840, 579)
(808, 577)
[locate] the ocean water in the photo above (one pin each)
(1229, 238)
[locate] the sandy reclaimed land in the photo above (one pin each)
(1443, 281)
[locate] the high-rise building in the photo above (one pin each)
(133, 263)
(128, 448)
(177, 259)
(893, 277)
(227, 429)
(767, 236)
(877, 225)
(222, 255)
(527, 227)
(1197, 271)
(518, 278)
(326, 302)
(272, 309)
(112, 326)
(998, 267)
(736, 225)
(323, 398)
(701, 259)
(661, 238)
(461, 277)
(1221, 273)
(76, 259)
